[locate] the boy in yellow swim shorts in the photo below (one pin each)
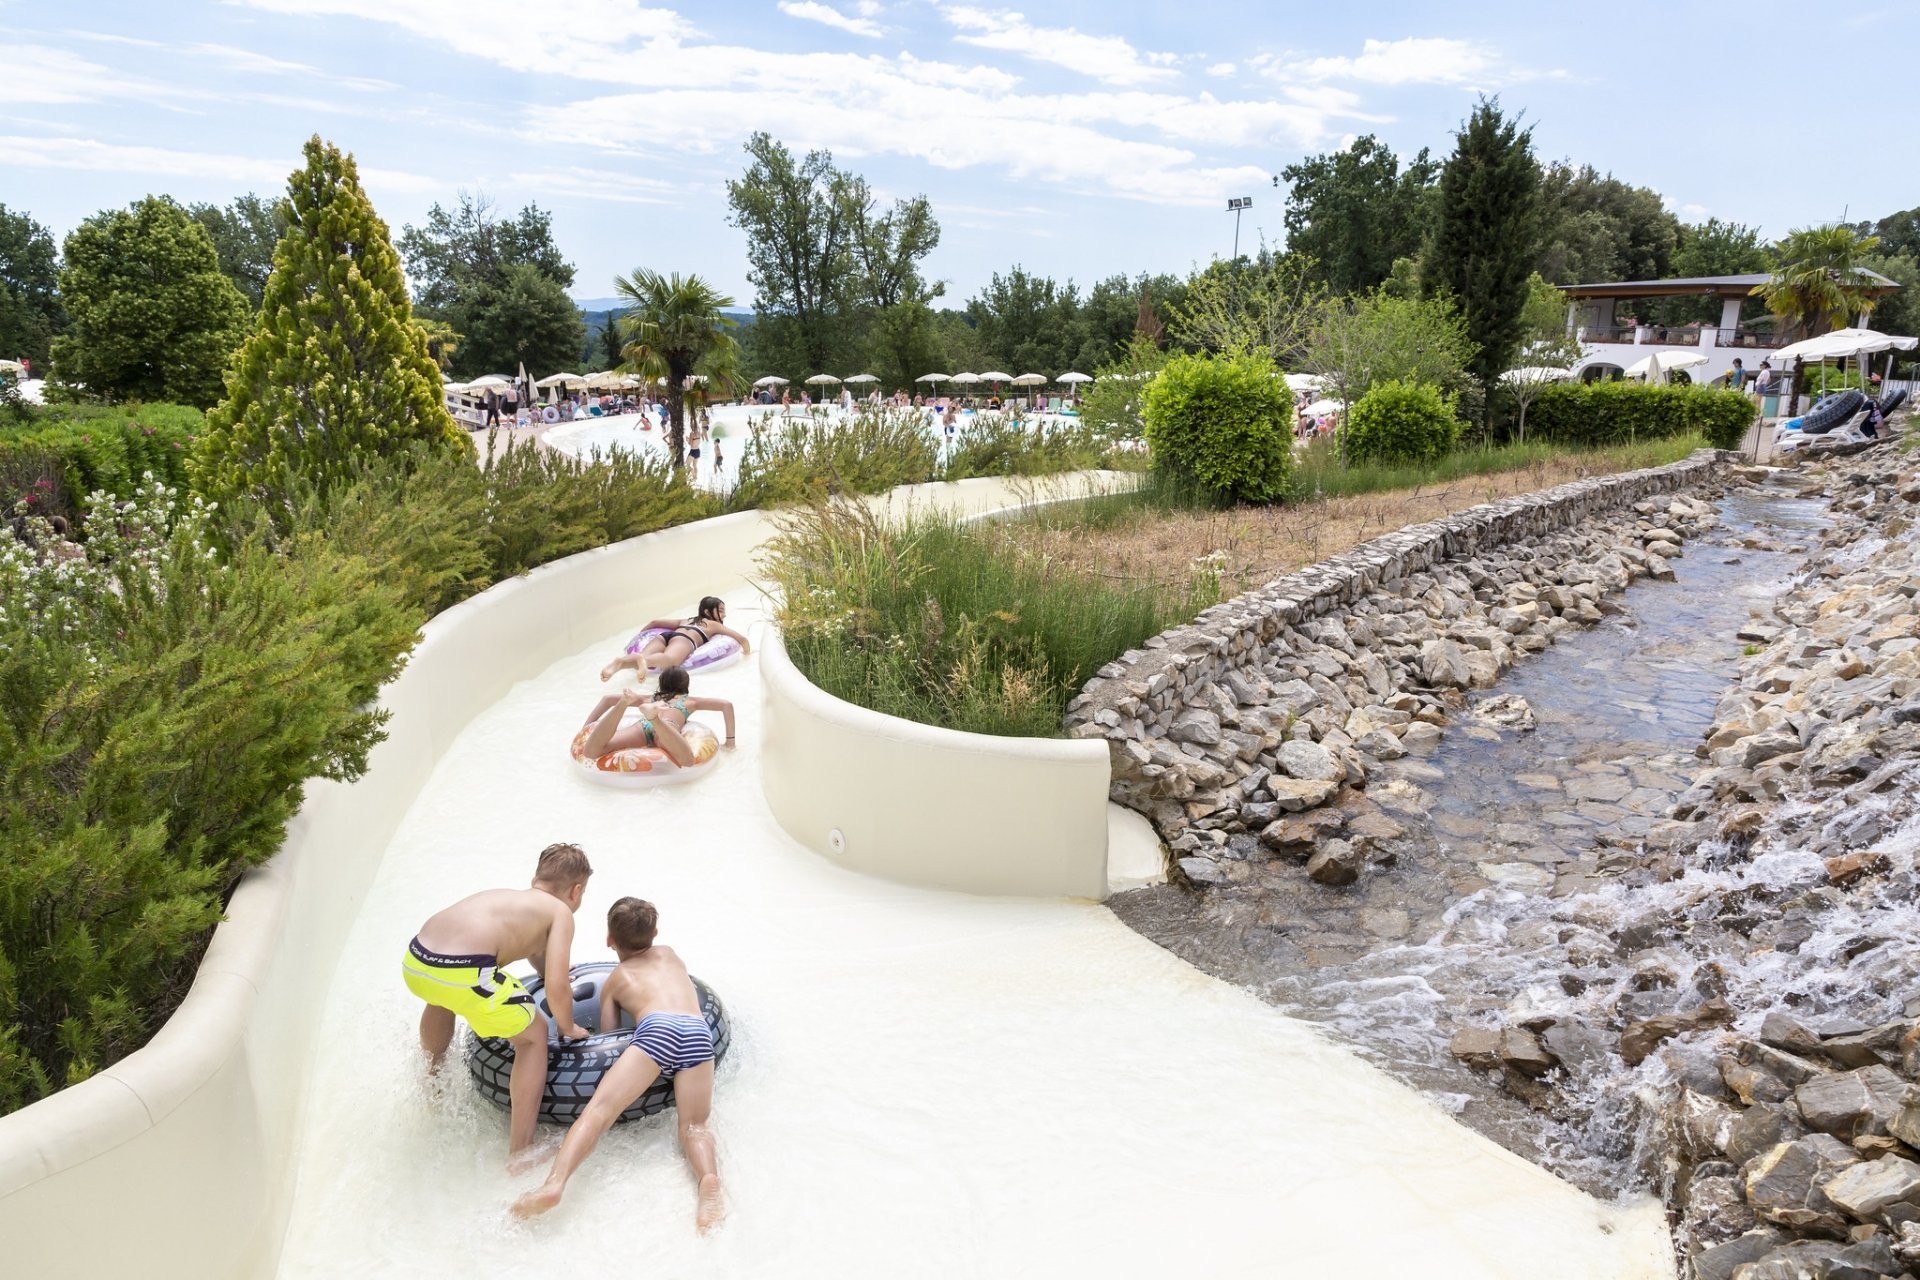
(456, 963)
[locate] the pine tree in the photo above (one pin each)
(1483, 239)
(334, 370)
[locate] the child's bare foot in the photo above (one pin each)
(536, 1202)
(713, 1204)
(607, 672)
(532, 1156)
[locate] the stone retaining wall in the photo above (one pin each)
(1273, 701)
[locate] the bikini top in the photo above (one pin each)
(696, 628)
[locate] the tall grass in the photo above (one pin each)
(798, 460)
(952, 624)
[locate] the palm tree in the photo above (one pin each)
(674, 330)
(1818, 284)
(443, 340)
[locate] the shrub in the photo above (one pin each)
(990, 445)
(1401, 422)
(161, 706)
(1605, 413)
(68, 451)
(803, 460)
(953, 624)
(1223, 422)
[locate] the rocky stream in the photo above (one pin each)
(1617, 853)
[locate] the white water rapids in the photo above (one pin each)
(921, 1083)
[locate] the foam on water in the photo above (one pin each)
(921, 1083)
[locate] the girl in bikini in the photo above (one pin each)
(663, 718)
(681, 640)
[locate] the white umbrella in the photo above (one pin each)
(1536, 373)
(1070, 378)
(991, 376)
(562, 380)
(771, 381)
(1842, 343)
(605, 380)
(453, 388)
(968, 378)
(1031, 380)
(931, 377)
(863, 377)
(1656, 366)
(12, 366)
(821, 379)
(489, 382)
(1305, 382)
(1319, 407)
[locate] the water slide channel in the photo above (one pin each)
(922, 1083)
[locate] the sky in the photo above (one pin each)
(1078, 140)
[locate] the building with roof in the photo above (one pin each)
(1604, 320)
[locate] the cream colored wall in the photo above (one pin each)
(931, 806)
(174, 1161)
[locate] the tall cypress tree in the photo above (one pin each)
(336, 369)
(1483, 239)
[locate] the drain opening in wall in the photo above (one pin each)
(837, 840)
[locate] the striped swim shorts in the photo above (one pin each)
(675, 1041)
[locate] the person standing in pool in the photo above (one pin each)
(456, 964)
(680, 640)
(671, 1041)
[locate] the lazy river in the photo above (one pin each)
(921, 1082)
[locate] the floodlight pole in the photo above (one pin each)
(1237, 205)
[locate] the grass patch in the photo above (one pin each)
(1317, 471)
(952, 624)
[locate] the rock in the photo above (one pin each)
(1202, 870)
(1869, 1259)
(1307, 761)
(1759, 1129)
(1380, 744)
(1421, 738)
(1782, 1032)
(1574, 1043)
(1640, 1038)
(1762, 747)
(1522, 1051)
(1336, 863)
(1851, 1103)
(1509, 711)
(1202, 728)
(1784, 1185)
(1722, 1260)
(1443, 664)
(1717, 1210)
(1867, 1190)
(1301, 833)
(1478, 1047)
(1848, 867)
(1905, 1124)
(1295, 794)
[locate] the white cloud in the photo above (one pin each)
(1414, 60)
(92, 155)
(810, 11)
(1223, 70)
(42, 74)
(1107, 58)
(586, 183)
(580, 35)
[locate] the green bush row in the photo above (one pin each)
(1607, 413)
(52, 458)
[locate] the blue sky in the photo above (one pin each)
(1077, 139)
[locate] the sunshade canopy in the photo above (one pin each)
(770, 381)
(821, 379)
(1030, 380)
(931, 377)
(1072, 377)
(1661, 362)
(1305, 382)
(1842, 343)
(994, 376)
(968, 378)
(1536, 373)
(863, 377)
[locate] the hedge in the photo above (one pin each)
(54, 457)
(1401, 422)
(1606, 413)
(1223, 423)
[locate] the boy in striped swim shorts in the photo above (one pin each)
(671, 1041)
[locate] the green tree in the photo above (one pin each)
(461, 263)
(1026, 322)
(152, 316)
(244, 235)
(1817, 285)
(1354, 212)
(524, 317)
(1897, 312)
(611, 345)
(1110, 316)
(1898, 233)
(802, 220)
(1358, 342)
(675, 329)
(443, 341)
(1544, 348)
(1594, 227)
(1716, 248)
(1266, 304)
(30, 311)
(903, 342)
(335, 371)
(1482, 247)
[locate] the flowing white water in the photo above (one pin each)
(921, 1083)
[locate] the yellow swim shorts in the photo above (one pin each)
(491, 1000)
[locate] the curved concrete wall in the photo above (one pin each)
(931, 806)
(181, 1151)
